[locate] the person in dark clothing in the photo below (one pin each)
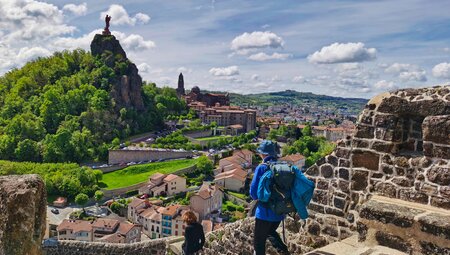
(266, 221)
(194, 237)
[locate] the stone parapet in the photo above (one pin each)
(154, 247)
(405, 226)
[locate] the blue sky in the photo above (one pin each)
(340, 48)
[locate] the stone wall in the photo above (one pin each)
(154, 247)
(400, 149)
(22, 214)
(197, 134)
(125, 156)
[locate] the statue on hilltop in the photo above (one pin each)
(106, 30)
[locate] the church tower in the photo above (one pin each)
(180, 89)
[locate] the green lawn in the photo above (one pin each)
(238, 195)
(210, 138)
(140, 173)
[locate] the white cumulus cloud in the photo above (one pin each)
(256, 40)
(441, 70)
(144, 68)
(78, 10)
(298, 79)
(224, 71)
(343, 53)
(254, 77)
(136, 42)
(398, 68)
(413, 76)
(385, 85)
(263, 56)
(120, 16)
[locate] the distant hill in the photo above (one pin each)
(351, 105)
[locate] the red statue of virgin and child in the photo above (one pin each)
(106, 30)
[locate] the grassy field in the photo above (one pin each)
(238, 195)
(211, 138)
(140, 173)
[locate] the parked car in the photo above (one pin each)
(131, 163)
(55, 211)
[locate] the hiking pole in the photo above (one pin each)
(284, 236)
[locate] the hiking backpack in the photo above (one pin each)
(277, 196)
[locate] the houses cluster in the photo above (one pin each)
(100, 230)
(164, 185)
(233, 171)
(163, 221)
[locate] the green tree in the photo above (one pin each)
(98, 195)
(98, 174)
(27, 150)
(81, 200)
(307, 130)
(204, 165)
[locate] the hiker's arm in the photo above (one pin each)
(255, 182)
(202, 237)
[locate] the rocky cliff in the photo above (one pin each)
(126, 88)
(22, 214)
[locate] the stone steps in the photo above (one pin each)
(406, 226)
(351, 246)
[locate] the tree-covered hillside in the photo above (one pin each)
(298, 98)
(62, 108)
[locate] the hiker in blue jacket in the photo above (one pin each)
(266, 221)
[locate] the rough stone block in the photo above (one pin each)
(400, 216)
(322, 184)
(22, 214)
(393, 242)
(326, 170)
(439, 175)
(413, 196)
(312, 171)
(432, 249)
(331, 230)
(344, 163)
(441, 202)
(339, 203)
(358, 143)
(435, 129)
(343, 153)
(366, 159)
(359, 180)
(436, 224)
(364, 132)
(403, 181)
(344, 173)
(316, 207)
(362, 231)
(320, 197)
(332, 160)
(344, 186)
(383, 146)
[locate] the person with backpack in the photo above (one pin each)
(266, 221)
(279, 189)
(194, 237)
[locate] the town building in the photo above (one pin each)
(209, 99)
(297, 160)
(79, 230)
(239, 119)
(162, 185)
(207, 201)
(100, 230)
(233, 171)
(159, 221)
(332, 134)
